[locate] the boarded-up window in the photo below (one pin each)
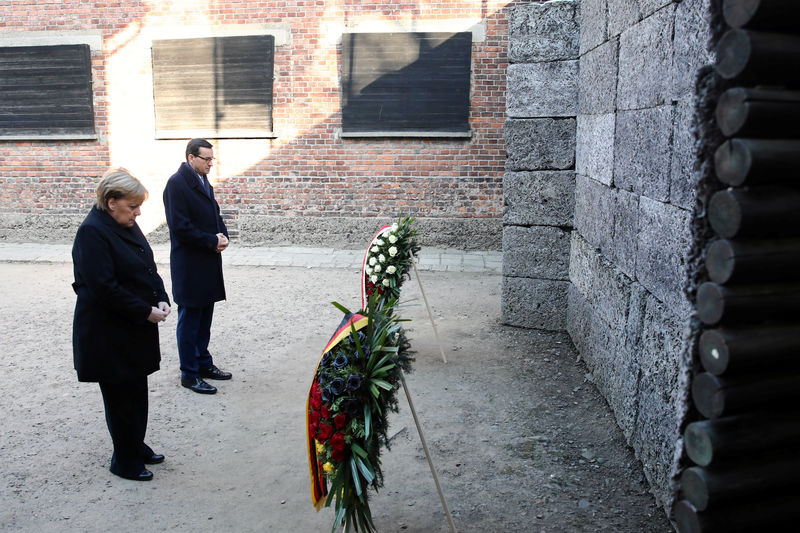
(405, 84)
(46, 91)
(213, 87)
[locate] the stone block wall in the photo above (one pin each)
(539, 180)
(635, 199)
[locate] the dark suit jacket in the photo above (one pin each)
(194, 220)
(117, 283)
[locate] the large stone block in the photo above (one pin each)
(645, 62)
(540, 144)
(534, 303)
(542, 89)
(536, 252)
(662, 253)
(545, 198)
(692, 44)
(544, 32)
(648, 7)
(642, 151)
(622, 14)
(684, 174)
(594, 147)
(626, 232)
(597, 81)
(594, 19)
(594, 208)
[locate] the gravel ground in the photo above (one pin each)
(520, 439)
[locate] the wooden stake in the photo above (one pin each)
(428, 455)
(430, 314)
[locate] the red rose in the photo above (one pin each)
(312, 429)
(340, 420)
(337, 455)
(337, 441)
(326, 412)
(324, 433)
(314, 417)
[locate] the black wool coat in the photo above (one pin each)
(194, 220)
(117, 284)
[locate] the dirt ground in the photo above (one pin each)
(520, 439)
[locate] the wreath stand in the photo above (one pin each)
(414, 411)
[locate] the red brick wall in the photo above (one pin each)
(308, 170)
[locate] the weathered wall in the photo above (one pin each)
(635, 199)
(539, 181)
(306, 185)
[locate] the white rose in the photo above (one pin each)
(368, 270)
(386, 232)
(391, 269)
(379, 242)
(374, 249)
(382, 258)
(392, 239)
(393, 251)
(372, 261)
(386, 283)
(394, 227)
(374, 279)
(377, 268)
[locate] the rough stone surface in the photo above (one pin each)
(540, 144)
(645, 62)
(594, 208)
(642, 153)
(542, 89)
(539, 198)
(622, 14)
(692, 45)
(39, 228)
(626, 231)
(534, 303)
(593, 24)
(597, 81)
(544, 32)
(594, 150)
(684, 176)
(662, 253)
(536, 252)
(648, 7)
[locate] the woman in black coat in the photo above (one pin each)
(121, 300)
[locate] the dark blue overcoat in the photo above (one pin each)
(194, 220)
(117, 284)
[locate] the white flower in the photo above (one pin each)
(386, 232)
(393, 251)
(374, 279)
(377, 268)
(394, 227)
(391, 269)
(372, 261)
(392, 239)
(379, 242)
(382, 258)
(374, 249)
(368, 270)
(386, 283)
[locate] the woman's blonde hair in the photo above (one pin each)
(118, 183)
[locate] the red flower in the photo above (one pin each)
(337, 441)
(340, 420)
(312, 428)
(337, 455)
(325, 412)
(324, 433)
(314, 417)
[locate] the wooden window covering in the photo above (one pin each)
(214, 87)
(406, 84)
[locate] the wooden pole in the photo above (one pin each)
(427, 454)
(430, 314)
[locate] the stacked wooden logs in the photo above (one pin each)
(746, 452)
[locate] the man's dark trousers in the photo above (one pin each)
(194, 332)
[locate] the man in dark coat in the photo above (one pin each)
(198, 236)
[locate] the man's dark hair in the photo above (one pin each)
(193, 148)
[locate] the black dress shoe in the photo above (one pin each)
(198, 385)
(213, 372)
(144, 475)
(154, 459)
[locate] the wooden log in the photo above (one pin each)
(769, 211)
(747, 303)
(741, 437)
(715, 396)
(774, 514)
(741, 350)
(767, 113)
(753, 261)
(775, 15)
(757, 161)
(706, 487)
(755, 58)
